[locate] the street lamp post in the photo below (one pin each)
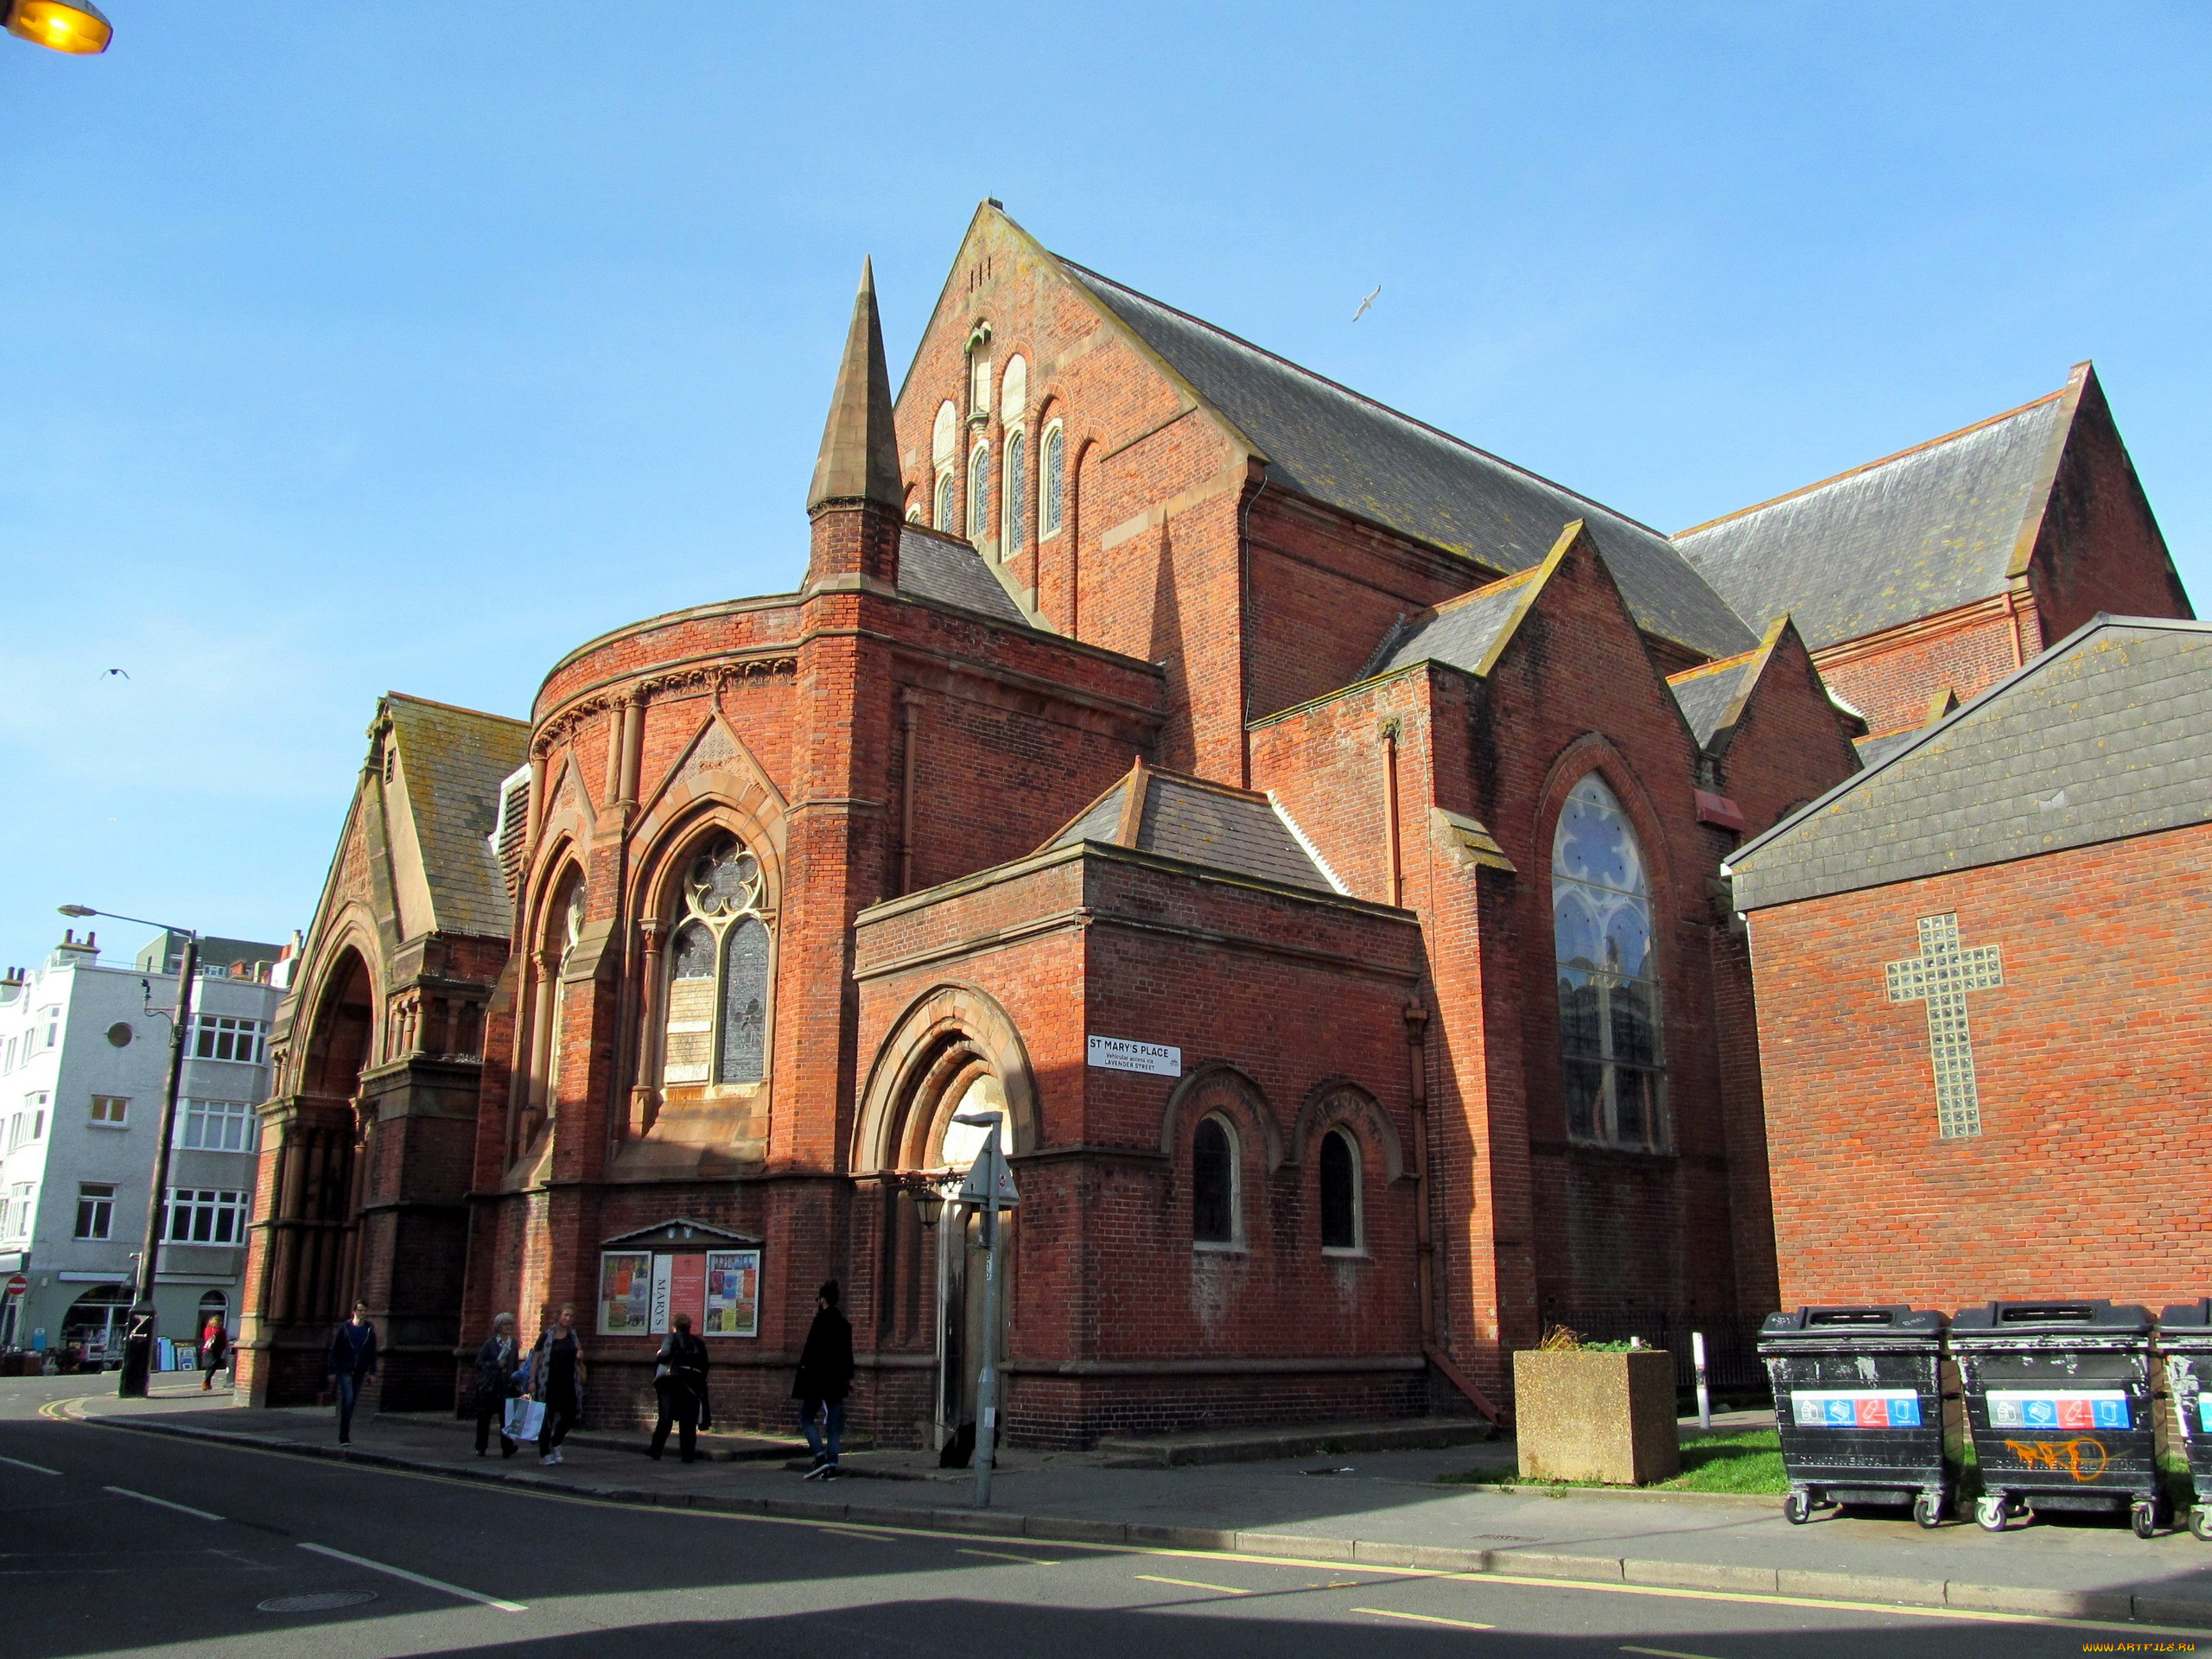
(988, 1161)
(77, 27)
(138, 1340)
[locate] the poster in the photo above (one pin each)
(733, 1294)
(687, 1287)
(625, 1277)
(659, 1303)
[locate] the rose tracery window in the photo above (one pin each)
(1608, 976)
(717, 1025)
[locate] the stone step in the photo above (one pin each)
(1253, 1444)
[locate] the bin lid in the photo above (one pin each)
(2189, 1322)
(1891, 1326)
(2000, 1322)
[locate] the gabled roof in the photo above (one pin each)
(1711, 696)
(2106, 734)
(454, 760)
(1464, 632)
(943, 568)
(1933, 527)
(1199, 823)
(1331, 444)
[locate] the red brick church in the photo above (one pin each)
(1303, 829)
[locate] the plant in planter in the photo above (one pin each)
(1598, 1411)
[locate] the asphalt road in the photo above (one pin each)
(116, 1541)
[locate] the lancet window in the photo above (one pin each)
(979, 493)
(569, 930)
(1052, 498)
(717, 1021)
(1017, 487)
(1608, 976)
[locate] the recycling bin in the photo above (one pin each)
(2058, 1399)
(1858, 1403)
(2185, 1337)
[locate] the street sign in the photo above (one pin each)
(16, 1286)
(1123, 1055)
(973, 1191)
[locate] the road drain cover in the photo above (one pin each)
(324, 1602)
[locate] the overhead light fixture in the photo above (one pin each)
(77, 27)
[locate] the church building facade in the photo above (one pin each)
(1302, 831)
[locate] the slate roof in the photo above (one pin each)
(1921, 533)
(1201, 822)
(1705, 695)
(1330, 443)
(1459, 631)
(935, 566)
(454, 759)
(2106, 734)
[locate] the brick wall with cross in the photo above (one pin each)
(1990, 1083)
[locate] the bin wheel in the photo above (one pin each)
(1928, 1510)
(1991, 1511)
(2200, 1524)
(2143, 1516)
(1797, 1508)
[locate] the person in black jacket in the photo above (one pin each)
(495, 1375)
(680, 1380)
(825, 1376)
(557, 1372)
(353, 1361)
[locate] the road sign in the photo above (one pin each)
(973, 1191)
(15, 1286)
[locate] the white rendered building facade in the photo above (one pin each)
(84, 1059)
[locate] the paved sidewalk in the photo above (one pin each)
(1382, 1506)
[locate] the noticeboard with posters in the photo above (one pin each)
(648, 1278)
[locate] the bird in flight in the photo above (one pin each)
(108, 673)
(1365, 304)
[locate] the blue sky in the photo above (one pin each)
(343, 353)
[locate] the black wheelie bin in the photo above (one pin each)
(2058, 1398)
(2185, 1335)
(1859, 1402)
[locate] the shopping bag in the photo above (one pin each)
(525, 1418)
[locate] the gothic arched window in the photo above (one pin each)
(979, 494)
(1213, 1182)
(1608, 976)
(1339, 1191)
(947, 493)
(568, 931)
(1015, 519)
(1052, 504)
(717, 1026)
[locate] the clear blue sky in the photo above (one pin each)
(368, 347)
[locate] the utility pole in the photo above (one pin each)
(138, 1344)
(987, 1182)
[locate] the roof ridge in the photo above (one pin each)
(454, 708)
(1716, 665)
(1487, 589)
(1362, 397)
(1905, 453)
(1192, 778)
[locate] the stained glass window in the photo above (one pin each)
(945, 491)
(1052, 504)
(716, 1025)
(1017, 485)
(1608, 976)
(979, 494)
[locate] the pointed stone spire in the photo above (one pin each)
(859, 445)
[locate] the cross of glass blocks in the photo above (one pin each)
(1940, 976)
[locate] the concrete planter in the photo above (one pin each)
(1586, 1416)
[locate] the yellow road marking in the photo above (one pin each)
(1740, 1598)
(854, 1532)
(1428, 1619)
(1667, 1653)
(1193, 1583)
(994, 1556)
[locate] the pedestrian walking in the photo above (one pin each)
(495, 1384)
(680, 1381)
(353, 1361)
(214, 1349)
(557, 1373)
(825, 1376)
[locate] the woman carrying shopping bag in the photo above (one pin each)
(557, 1377)
(495, 1387)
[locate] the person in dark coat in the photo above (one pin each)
(556, 1371)
(353, 1361)
(214, 1345)
(825, 1376)
(495, 1384)
(680, 1380)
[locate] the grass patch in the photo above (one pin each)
(1740, 1460)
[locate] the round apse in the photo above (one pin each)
(119, 1033)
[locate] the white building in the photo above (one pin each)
(84, 1061)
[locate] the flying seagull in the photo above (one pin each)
(1365, 304)
(105, 673)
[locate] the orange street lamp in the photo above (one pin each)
(78, 27)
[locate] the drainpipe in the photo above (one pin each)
(910, 712)
(1397, 875)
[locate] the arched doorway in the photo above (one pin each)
(337, 1048)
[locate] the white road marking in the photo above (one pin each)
(417, 1578)
(36, 1468)
(1426, 1619)
(148, 1497)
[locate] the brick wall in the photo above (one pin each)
(2088, 1177)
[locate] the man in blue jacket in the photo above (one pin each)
(352, 1361)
